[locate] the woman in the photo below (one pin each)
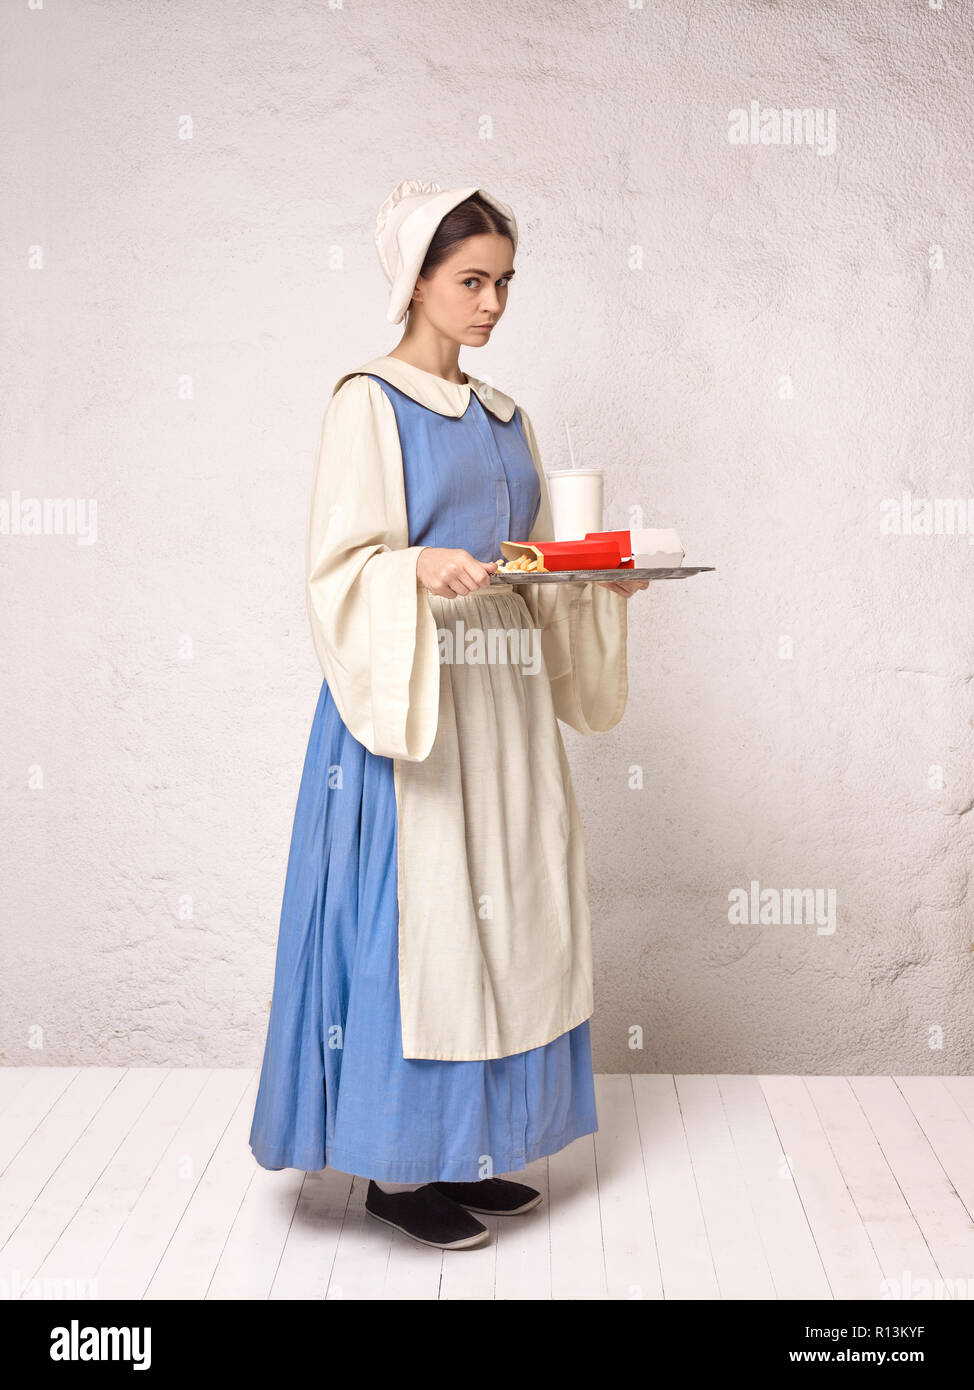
(433, 983)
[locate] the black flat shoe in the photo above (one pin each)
(427, 1216)
(492, 1196)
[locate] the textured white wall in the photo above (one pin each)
(759, 342)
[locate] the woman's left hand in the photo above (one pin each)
(625, 587)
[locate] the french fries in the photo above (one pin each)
(523, 563)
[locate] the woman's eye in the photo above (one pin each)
(503, 282)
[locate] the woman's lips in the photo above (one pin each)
(483, 327)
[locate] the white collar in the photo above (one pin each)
(435, 392)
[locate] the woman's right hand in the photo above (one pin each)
(451, 573)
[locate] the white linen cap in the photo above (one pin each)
(404, 229)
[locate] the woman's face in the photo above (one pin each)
(468, 291)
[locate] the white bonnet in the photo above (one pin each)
(404, 229)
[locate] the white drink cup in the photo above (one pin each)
(576, 501)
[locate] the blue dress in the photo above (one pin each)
(343, 1096)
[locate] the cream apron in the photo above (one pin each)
(494, 934)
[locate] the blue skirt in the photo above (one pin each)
(335, 1089)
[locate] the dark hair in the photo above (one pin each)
(473, 217)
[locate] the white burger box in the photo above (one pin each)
(656, 548)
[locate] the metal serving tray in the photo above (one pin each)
(586, 576)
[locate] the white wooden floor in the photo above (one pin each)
(139, 1183)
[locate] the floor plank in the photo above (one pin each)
(523, 1268)
(740, 1261)
(28, 1106)
(789, 1246)
(49, 1143)
(306, 1263)
(140, 1243)
(629, 1241)
(250, 1259)
(886, 1216)
(364, 1246)
(79, 1170)
(577, 1257)
(948, 1130)
(89, 1234)
(686, 1261)
(189, 1261)
(938, 1210)
(847, 1254)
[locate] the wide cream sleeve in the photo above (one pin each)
(584, 632)
(373, 628)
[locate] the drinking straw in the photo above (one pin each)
(571, 451)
